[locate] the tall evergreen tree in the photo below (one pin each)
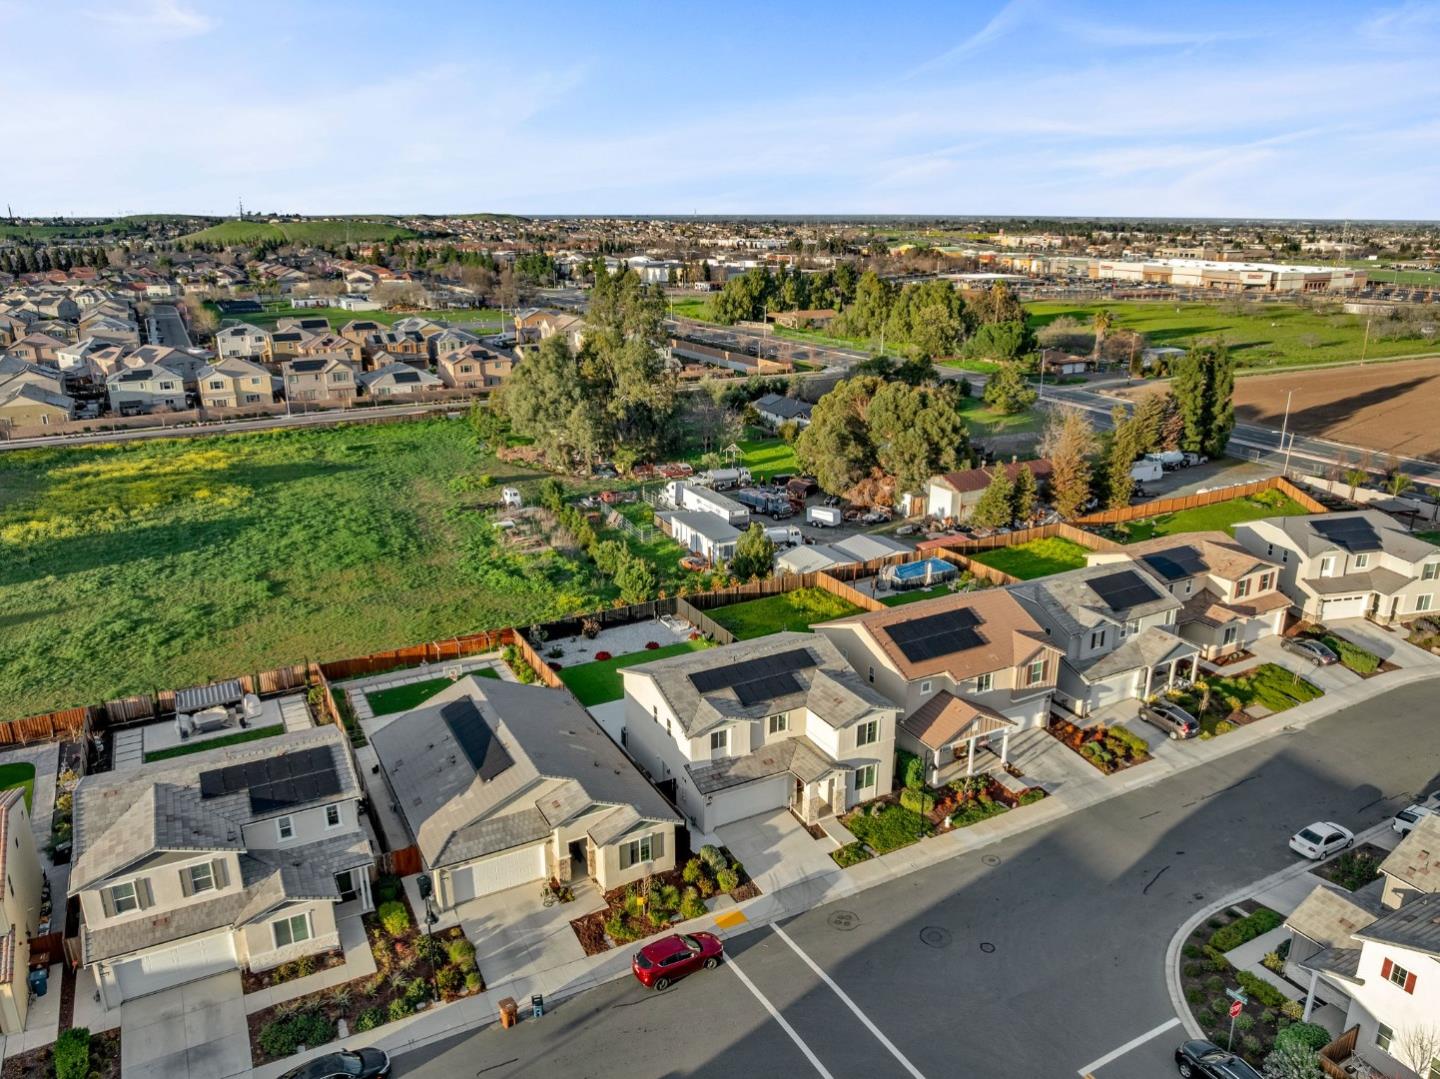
(995, 508)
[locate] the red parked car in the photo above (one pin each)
(661, 962)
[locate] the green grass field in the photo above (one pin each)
(1038, 558)
(984, 422)
(599, 681)
(385, 702)
(338, 316)
(253, 734)
(1261, 336)
(148, 565)
(797, 610)
(1218, 517)
(916, 595)
(19, 774)
(768, 457)
(340, 231)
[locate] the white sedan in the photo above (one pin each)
(1321, 839)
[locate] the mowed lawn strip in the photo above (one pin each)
(385, 702)
(1217, 517)
(19, 774)
(254, 734)
(599, 681)
(797, 610)
(1037, 558)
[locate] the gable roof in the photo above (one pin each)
(1311, 540)
(1415, 925)
(946, 717)
(1199, 553)
(1416, 858)
(1330, 918)
(1071, 601)
(969, 480)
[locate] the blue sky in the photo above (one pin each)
(1317, 109)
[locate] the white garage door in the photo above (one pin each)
(1121, 687)
(762, 796)
(496, 874)
(175, 966)
(1343, 607)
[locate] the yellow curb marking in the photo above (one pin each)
(730, 919)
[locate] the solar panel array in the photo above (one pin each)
(1354, 534)
(407, 376)
(1123, 590)
(276, 783)
(935, 635)
(476, 740)
(756, 680)
(1176, 563)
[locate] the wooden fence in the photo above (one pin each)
(835, 587)
(1088, 540)
(1189, 502)
(703, 622)
(68, 724)
(404, 862)
(543, 670)
(1341, 1049)
(974, 568)
(416, 654)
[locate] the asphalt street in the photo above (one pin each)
(1040, 956)
(166, 327)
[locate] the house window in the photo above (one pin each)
(285, 827)
(201, 877)
(872, 673)
(868, 733)
(1383, 1037)
(1229, 636)
(1395, 974)
(1242, 588)
(123, 898)
(1327, 565)
(291, 930)
(1429, 571)
(778, 723)
(1361, 561)
(865, 777)
(645, 849)
(332, 816)
(1097, 639)
(984, 682)
(925, 687)
(1035, 673)
(720, 742)
(1422, 603)
(1269, 550)
(1267, 581)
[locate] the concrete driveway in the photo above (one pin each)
(1331, 678)
(776, 850)
(195, 1031)
(517, 936)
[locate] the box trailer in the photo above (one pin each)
(1146, 470)
(824, 516)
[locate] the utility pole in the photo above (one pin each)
(1283, 426)
(1364, 346)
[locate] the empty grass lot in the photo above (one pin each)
(148, 565)
(1038, 558)
(19, 774)
(385, 702)
(797, 610)
(984, 422)
(599, 681)
(1217, 517)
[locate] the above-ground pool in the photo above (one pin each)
(910, 574)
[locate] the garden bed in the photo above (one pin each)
(1353, 657)
(885, 825)
(1353, 869)
(306, 965)
(1110, 749)
(1229, 698)
(104, 1057)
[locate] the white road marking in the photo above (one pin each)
(775, 1014)
(886, 1042)
(1116, 1054)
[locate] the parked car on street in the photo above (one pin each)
(661, 962)
(1170, 718)
(1410, 816)
(344, 1064)
(1206, 1060)
(1321, 839)
(1314, 651)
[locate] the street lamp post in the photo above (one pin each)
(1283, 426)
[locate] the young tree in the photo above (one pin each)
(1150, 414)
(1203, 382)
(1418, 1046)
(1102, 320)
(1125, 447)
(754, 554)
(1069, 443)
(1007, 392)
(1025, 494)
(636, 580)
(996, 506)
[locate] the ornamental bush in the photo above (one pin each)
(911, 769)
(691, 905)
(369, 1019)
(727, 879)
(1311, 1036)
(460, 950)
(394, 917)
(917, 801)
(1245, 929)
(1260, 990)
(692, 872)
(72, 1054)
(713, 857)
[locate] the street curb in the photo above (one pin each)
(1172, 950)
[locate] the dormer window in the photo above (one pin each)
(1361, 561)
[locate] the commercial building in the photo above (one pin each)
(1229, 276)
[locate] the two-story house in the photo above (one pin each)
(135, 390)
(234, 383)
(503, 785)
(21, 877)
(218, 859)
(1231, 596)
(244, 342)
(966, 671)
(1380, 963)
(1117, 627)
(397, 379)
(331, 379)
(26, 405)
(1348, 565)
(759, 725)
(473, 368)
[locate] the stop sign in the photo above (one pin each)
(1235, 1009)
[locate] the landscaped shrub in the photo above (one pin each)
(473, 984)
(692, 872)
(1030, 797)
(394, 918)
(72, 1054)
(399, 1009)
(283, 1036)
(429, 949)
(305, 966)
(1250, 1044)
(1193, 970)
(369, 1019)
(691, 905)
(917, 801)
(713, 857)
(727, 879)
(1194, 994)
(459, 950)
(911, 769)
(387, 888)
(603, 655)
(617, 929)
(1310, 1035)
(1354, 869)
(1244, 1021)
(1260, 990)
(1273, 961)
(1245, 929)
(1292, 1009)
(850, 854)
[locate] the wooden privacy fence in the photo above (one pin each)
(1162, 506)
(543, 670)
(416, 654)
(824, 581)
(1088, 540)
(976, 569)
(70, 723)
(404, 862)
(1338, 1051)
(703, 622)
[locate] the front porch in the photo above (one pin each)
(956, 737)
(978, 755)
(819, 798)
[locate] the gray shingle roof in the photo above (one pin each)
(1416, 925)
(797, 755)
(1415, 861)
(1071, 603)
(1329, 918)
(1144, 649)
(1394, 539)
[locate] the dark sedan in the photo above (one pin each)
(360, 1064)
(1206, 1060)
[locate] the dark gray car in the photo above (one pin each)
(1317, 653)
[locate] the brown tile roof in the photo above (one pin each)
(945, 717)
(1416, 859)
(1221, 555)
(977, 479)
(1009, 635)
(1205, 606)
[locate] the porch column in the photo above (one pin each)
(1005, 746)
(970, 764)
(1170, 676)
(1195, 666)
(1149, 679)
(1310, 996)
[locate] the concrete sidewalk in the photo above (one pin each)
(800, 895)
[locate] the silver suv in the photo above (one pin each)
(1170, 718)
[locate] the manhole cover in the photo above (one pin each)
(990, 859)
(934, 936)
(844, 920)
(987, 947)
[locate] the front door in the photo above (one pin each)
(348, 885)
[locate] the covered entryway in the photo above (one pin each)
(168, 967)
(509, 870)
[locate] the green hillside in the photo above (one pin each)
(331, 231)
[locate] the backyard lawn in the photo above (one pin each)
(797, 610)
(385, 702)
(599, 681)
(253, 734)
(1269, 685)
(1217, 517)
(149, 565)
(19, 774)
(768, 457)
(1038, 558)
(983, 422)
(915, 595)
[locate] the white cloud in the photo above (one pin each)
(1008, 18)
(155, 18)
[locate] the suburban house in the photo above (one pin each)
(243, 341)
(399, 380)
(503, 785)
(360, 331)
(1117, 629)
(473, 368)
(759, 726)
(775, 409)
(1231, 597)
(1054, 361)
(327, 343)
(966, 670)
(27, 405)
(320, 378)
(15, 372)
(234, 382)
(1362, 564)
(224, 858)
(133, 390)
(696, 499)
(451, 339)
(184, 362)
(1380, 963)
(21, 877)
(36, 348)
(953, 495)
(704, 534)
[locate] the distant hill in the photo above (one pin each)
(90, 228)
(330, 231)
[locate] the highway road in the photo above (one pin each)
(1040, 957)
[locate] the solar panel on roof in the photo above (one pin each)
(750, 670)
(407, 376)
(476, 740)
(1354, 534)
(766, 688)
(936, 635)
(1176, 563)
(1122, 590)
